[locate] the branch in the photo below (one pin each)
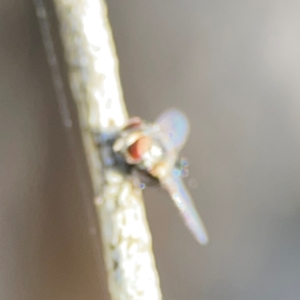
(95, 84)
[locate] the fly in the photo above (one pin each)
(153, 149)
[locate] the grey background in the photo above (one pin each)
(233, 67)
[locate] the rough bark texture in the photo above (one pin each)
(95, 84)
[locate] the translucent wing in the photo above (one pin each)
(174, 185)
(175, 126)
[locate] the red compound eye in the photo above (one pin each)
(139, 148)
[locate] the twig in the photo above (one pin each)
(95, 84)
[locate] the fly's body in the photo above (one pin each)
(153, 149)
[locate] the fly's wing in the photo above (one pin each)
(175, 127)
(174, 185)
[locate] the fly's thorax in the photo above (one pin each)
(154, 154)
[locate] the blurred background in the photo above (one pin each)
(233, 67)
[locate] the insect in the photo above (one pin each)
(153, 149)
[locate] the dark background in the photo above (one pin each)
(233, 67)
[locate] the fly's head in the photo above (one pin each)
(144, 146)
